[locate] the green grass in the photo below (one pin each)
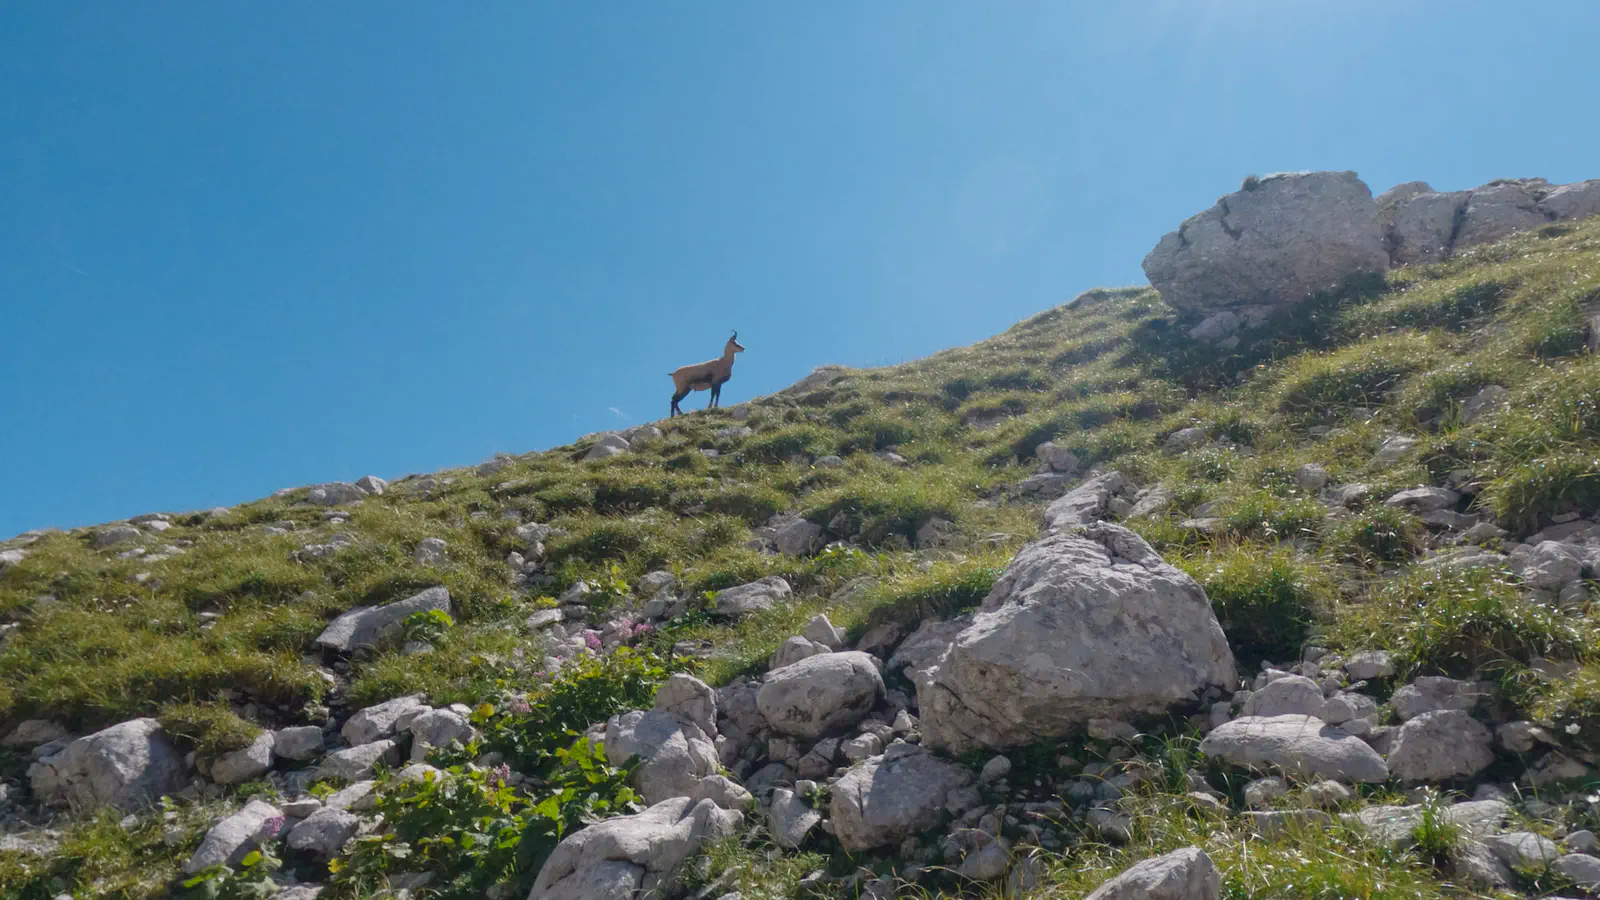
(1268, 601)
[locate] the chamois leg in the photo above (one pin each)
(675, 398)
(716, 396)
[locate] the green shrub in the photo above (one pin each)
(1267, 601)
(1525, 495)
(1313, 387)
(1262, 515)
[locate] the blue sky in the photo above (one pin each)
(252, 245)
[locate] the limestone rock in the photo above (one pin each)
(674, 755)
(367, 626)
(299, 743)
(335, 494)
(1086, 503)
(127, 766)
(244, 764)
(324, 832)
(1303, 746)
(431, 552)
(824, 632)
(1080, 626)
(1278, 241)
(436, 728)
(33, 732)
(357, 763)
(1498, 211)
(1422, 228)
(231, 839)
(691, 700)
(1578, 200)
(608, 445)
(793, 650)
(1438, 745)
(1291, 695)
(380, 721)
(1523, 849)
(790, 819)
(887, 798)
(820, 694)
(752, 597)
(632, 856)
(1431, 693)
(1186, 874)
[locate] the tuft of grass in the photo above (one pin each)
(1268, 601)
(1379, 534)
(210, 728)
(1363, 374)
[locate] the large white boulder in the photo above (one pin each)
(1086, 503)
(436, 728)
(885, 799)
(820, 694)
(1277, 241)
(1578, 200)
(357, 763)
(367, 626)
(335, 493)
(324, 832)
(1081, 626)
(673, 754)
(127, 766)
(1187, 874)
(1497, 211)
(1421, 228)
(635, 856)
(691, 700)
(231, 839)
(1303, 746)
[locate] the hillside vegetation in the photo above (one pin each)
(1266, 467)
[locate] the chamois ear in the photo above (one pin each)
(735, 335)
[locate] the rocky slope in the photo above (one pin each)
(1274, 579)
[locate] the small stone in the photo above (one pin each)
(995, 769)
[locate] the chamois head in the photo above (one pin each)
(733, 346)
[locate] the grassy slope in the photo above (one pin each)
(1108, 376)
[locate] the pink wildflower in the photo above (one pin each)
(272, 826)
(520, 706)
(592, 638)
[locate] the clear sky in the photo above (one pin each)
(246, 246)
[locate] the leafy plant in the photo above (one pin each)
(252, 880)
(430, 626)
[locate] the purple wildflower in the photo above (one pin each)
(500, 774)
(271, 827)
(592, 638)
(520, 706)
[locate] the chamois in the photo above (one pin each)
(710, 375)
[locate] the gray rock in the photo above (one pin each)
(33, 732)
(820, 694)
(1581, 869)
(1394, 448)
(793, 650)
(861, 746)
(995, 769)
(300, 808)
(1523, 849)
(1056, 458)
(1431, 693)
(358, 763)
(381, 721)
(231, 839)
(1044, 484)
(128, 766)
(790, 819)
(335, 493)
(1369, 665)
(367, 626)
(1396, 826)
(1280, 240)
(372, 485)
(324, 832)
(360, 796)
(1424, 499)
(1086, 503)
(752, 597)
(1291, 695)
(1302, 746)
(245, 764)
(794, 536)
(1549, 566)
(1185, 439)
(1080, 626)
(885, 799)
(541, 619)
(655, 582)
(1422, 227)
(299, 743)
(1578, 200)
(674, 755)
(1217, 327)
(1311, 478)
(632, 856)
(1344, 707)
(1439, 745)
(690, 700)
(431, 552)
(437, 728)
(116, 536)
(608, 445)
(824, 632)
(1522, 737)
(1151, 501)
(1496, 212)
(1186, 874)
(721, 791)
(9, 558)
